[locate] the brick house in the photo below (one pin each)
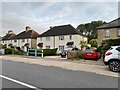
(110, 30)
(60, 37)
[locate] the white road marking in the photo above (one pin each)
(18, 82)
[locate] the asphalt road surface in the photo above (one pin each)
(52, 77)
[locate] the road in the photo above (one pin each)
(52, 77)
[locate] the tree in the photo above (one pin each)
(94, 42)
(90, 29)
(83, 44)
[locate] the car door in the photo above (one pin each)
(118, 49)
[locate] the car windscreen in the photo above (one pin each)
(88, 51)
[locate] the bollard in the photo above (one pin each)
(42, 53)
(66, 55)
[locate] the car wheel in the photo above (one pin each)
(114, 66)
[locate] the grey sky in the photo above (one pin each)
(41, 15)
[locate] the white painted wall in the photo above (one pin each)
(75, 38)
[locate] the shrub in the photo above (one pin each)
(49, 52)
(8, 51)
(99, 49)
(113, 42)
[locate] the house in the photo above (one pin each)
(6, 40)
(0, 40)
(26, 39)
(110, 30)
(60, 37)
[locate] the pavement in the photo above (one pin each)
(96, 67)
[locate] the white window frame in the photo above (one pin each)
(47, 38)
(40, 38)
(61, 47)
(118, 31)
(23, 40)
(15, 41)
(107, 33)
(48, 47)
(61, 37)
(70, 37)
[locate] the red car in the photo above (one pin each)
(91, 54)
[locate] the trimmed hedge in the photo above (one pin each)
(113, 42)
(8, 51)
(13, 51)
(49, 52)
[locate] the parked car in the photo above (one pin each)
(91, 54)
(64, 52)
(112, 58)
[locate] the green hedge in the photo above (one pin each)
(13, 51)
(8, 51)
(112, 42)
(49, 52)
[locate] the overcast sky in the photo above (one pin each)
(41, 15)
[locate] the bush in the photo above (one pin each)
(13, 51)
(112, 42)
(49, 52)
(99, 49)
(8, 51)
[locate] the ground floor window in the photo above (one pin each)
(47, 47)
(61, 47)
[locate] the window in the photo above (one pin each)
(118, 49)
(47, 47)
(23, 40)
(61, 48)
(48, 38)
(40, 38)
(107, 33)
(70, 37)
(15, 40)
(61, 37)
(27, 40)
(118, 31)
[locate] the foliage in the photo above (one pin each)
(90, 29)
(83, 44)
(13, 51)
(99, 49)
(112, 42)
(49, 52)
(94, 42)
(106, 47)
(8, 51)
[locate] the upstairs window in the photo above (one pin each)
(47, 38)
(15, 40)
(23, 40)
(107, 33)
(70, 37)
(118, 32)
(40, 38)
(61, 37)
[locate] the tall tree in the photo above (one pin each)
(90, 29)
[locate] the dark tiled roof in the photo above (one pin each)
(113, 24)
(8, 36)
(60, 30)
(27, 34)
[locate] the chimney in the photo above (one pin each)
(51, 27)
(10, 32)
(28, 28)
